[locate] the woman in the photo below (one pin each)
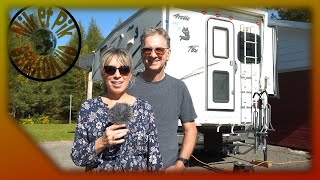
(100, 146)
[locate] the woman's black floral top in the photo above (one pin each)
(139, 152)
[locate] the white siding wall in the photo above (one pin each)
(294, 49)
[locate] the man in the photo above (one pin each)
(169, 97)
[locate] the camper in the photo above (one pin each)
(227, 59)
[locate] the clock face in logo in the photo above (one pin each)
(44, 42)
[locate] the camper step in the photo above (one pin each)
(252, 42)
(253, 57)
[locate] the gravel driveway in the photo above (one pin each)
(281, 159)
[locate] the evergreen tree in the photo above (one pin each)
(74, 40)
(15, 40)
(293, 14)
(73, 83)
(94, 37)
(30, 98)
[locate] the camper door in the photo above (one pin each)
(220, 65)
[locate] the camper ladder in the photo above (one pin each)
(255, 109)
(248, 73)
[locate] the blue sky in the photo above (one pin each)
(106, 19)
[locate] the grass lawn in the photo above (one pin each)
(50, 132)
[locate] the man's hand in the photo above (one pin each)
(178, 167)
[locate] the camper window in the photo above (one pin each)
(221, 86)
(253, 46)
(220, 42)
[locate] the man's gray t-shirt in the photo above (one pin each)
(171, 101)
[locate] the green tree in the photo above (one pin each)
(94, 37)
(93, 40)
(16, 107)
(13, 89)
(293, 14)
(73, 83)
(30, 98)
(74, 40)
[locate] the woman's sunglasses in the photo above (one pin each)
(159, 51)
(123, 70)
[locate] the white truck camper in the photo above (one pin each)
(226, 57)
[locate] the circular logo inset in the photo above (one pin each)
(44, 42)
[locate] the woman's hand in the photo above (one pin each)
(111, 136)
